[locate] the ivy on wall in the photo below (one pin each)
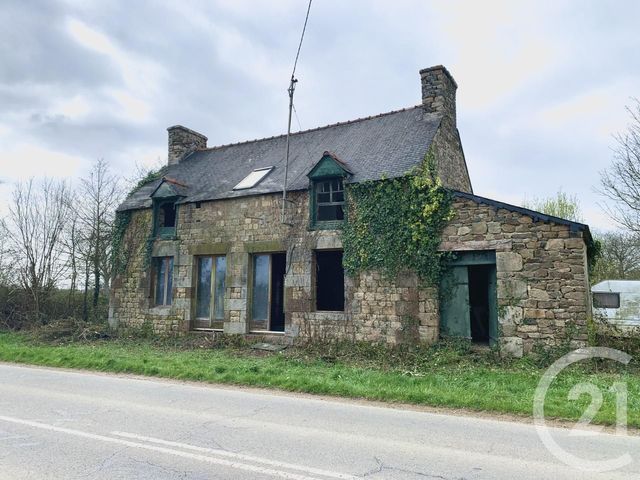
(396, 224)
(118, 258)
(150, 176)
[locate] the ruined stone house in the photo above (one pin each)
(205, 247)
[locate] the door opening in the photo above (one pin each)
(278, 269)
(479, 302)
(468, 300)
(267, 292)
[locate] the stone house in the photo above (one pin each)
(206, 247)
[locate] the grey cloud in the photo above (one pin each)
(359, 58)
(36, 49)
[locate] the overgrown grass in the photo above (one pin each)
(448, 375)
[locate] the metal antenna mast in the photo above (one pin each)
(291, 90)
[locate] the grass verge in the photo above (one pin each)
(445, 376)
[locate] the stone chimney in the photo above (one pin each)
(183, 141)
(439, 92)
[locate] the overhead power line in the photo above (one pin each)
(304, 28)
(291, 90)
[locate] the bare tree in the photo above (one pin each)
(37, 215)
(619, 257)
(5, 263)
(99, 195)
(621, 181)
(75, 249)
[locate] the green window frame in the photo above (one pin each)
(165, 218)
(327, 193)
(328, 203)
(330, 200)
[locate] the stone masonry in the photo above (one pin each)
(183, 141)
(377, 309)
(541, 272)
(543, 286)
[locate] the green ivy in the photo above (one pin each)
(594, 253)
(148, 250)
(118, 259)
(396, 224)
(150, 176)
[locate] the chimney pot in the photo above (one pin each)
(183, 141)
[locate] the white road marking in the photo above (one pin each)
(170, 451)
(239, 456)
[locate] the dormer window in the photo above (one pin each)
(167, 215)
(329, 200)
(326, 191)
(165, 209)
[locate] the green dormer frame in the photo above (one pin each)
(327, 180)
(165, 198)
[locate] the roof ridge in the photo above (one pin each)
(347, 122)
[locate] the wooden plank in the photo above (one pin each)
(454, 304)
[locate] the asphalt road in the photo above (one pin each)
(57, 424)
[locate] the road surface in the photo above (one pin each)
(59, 424)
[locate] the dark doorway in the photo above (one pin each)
(278, 269)
(479, 291)
(329, 281)
(468, 297)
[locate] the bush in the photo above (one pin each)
(71, 330)
(16, 308)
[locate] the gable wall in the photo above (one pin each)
(543, 286)
(452, 166)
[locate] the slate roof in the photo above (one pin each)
(386, 145)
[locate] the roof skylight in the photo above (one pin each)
(253, 179)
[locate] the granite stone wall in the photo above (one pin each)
(542, 279)
(542, 284)
(376, 308)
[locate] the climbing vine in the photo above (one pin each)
(594, 253)
(149, 176)
(396, 224)
(118, 259)
(148, 250)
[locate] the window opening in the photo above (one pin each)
(329, 281)
(330, 200)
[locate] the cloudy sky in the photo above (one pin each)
(542, 85)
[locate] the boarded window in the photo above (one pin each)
(330, 200)
(163, 280)
(606, 300)
(210, 292)
(329, 281)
